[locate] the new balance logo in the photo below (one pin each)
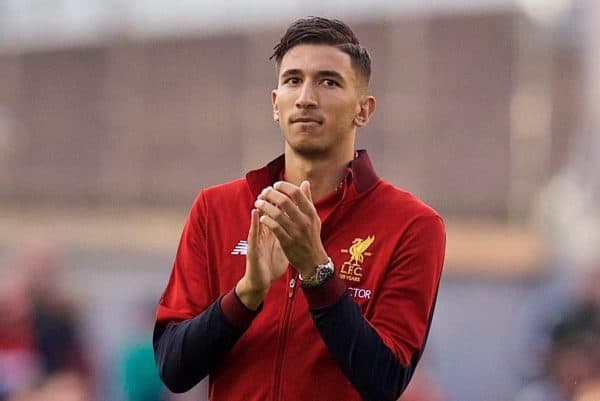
(241, 248)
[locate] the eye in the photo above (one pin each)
(330, 82)
(291, 81)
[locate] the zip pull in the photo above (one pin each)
(292, 286)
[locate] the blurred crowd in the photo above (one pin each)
(561, 338)
(42, 356)
(46, 354)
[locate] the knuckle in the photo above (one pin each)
(273, 200)
(304, 225)
(277, 214)
(284, 201)
(296, 193)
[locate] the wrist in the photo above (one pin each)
(249, 295)
(320, 259)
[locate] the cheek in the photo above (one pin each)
(345, 113)
(285, 96)
(342, 106)
(284, 105)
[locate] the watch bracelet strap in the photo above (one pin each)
(313, 280)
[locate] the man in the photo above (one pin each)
(335, 296)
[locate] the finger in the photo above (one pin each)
(254, 227)
(268, 209)
(281, 235)
(283, 202)
(305, 187)
(295, 193)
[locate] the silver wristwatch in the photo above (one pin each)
(322, 273)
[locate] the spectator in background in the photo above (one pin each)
(39, 340)
(19, 359)
(573, 358)
(557, 295)
(137, 377)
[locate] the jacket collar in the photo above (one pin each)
(363, 174)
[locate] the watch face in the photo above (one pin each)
(324, 271)
(322, 274)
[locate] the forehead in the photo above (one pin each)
(311, 59)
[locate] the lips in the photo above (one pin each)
(307, 120)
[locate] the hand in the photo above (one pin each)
(288, 211)
(265, 262)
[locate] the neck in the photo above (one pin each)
(324, 174)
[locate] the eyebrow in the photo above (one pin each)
(320, 74)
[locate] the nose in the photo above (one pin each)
(307, 98)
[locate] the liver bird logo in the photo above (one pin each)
(359, 247)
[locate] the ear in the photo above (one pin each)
(274, 103)
(365, 110)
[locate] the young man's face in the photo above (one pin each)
(318, 99)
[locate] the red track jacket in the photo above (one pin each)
(359, 336)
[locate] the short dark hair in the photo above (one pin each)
(333, 32)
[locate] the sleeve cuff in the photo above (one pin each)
(325, 295)
(236, 312)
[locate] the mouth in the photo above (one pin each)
(306, 120)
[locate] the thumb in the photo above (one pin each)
(305, 187)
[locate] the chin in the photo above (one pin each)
(305, 148)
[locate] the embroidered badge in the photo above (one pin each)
(352, 269)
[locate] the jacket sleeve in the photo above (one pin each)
(379, 354)
(185, 352)
(194, 327)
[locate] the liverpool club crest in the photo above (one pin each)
(351, 270)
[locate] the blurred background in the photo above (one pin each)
(114, 114)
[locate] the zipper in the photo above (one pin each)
(292, 285)
(284, 333)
